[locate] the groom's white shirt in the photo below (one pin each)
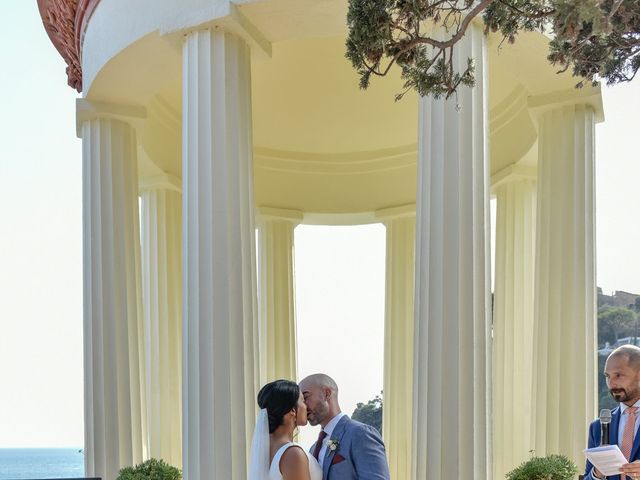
(328, 429)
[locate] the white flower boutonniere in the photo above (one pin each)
(333, 445)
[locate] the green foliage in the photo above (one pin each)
(516, 15)
(551, 467)
(597, 38)
(370, 412)
(616, 322)
(152, 469)
(593, 38)
(387, 32)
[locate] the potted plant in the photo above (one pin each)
(551, 467)
(152, 469)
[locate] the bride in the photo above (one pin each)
(274, 455)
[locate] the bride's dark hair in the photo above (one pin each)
(279, 398)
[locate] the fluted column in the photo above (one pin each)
(565, 300)
(397, 414)
(162, 300)
(115, 427)
(277, 294)
(451, 436)
(513, 320)
(220, 368)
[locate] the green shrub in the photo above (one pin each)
(552, 467)
(152, 469)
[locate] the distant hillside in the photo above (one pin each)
(618, 299)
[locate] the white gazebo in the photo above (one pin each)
(225, 116)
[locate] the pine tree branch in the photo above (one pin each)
(532, 16)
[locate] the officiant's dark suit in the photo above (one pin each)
(595, 435)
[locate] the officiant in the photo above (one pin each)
(622, 373)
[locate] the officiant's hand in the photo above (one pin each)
(631, 470)
(595, 473)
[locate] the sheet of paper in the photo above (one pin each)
(607, 458)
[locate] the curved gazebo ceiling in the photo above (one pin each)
(136, 74)
(306, 98)
(518, 73)
(324, 145)
(321, 143)
(282, 20)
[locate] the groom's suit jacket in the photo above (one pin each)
(594, 440)
(360, 454)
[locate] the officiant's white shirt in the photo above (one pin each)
(328, 429)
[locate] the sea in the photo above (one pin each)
(41, 463)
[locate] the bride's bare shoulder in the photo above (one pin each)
(294, 463)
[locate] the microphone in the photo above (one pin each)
(605, 420)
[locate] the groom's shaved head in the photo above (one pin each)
(321, 380)
(320, 394)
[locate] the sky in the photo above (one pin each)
(618, 190)
(40, 239)
(340, 287)
(41, 248)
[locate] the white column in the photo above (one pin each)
(513, 322)
(451, 436)
(277, 294)
(162, 300)
(220, 366)
(397, 414)
(115, 429)
(565, 301)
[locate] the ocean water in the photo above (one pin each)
(23, 463)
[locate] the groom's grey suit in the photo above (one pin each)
(360, 454)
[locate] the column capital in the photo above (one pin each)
(87, 110)
(394, 213)
(163, 181)
(358, 218)
(224, 16)
(273, 213)
(591, 96)
(513, 173)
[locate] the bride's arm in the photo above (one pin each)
(294, 464)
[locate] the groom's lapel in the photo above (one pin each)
(337, 435)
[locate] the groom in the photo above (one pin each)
(345, 449)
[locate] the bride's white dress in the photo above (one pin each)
(315, 472)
